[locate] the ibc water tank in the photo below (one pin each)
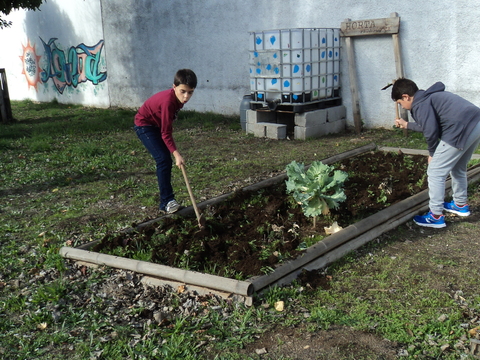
(292, 66)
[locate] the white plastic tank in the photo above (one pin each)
(294, 65)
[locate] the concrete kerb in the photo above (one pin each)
(243, 288)
(414, 151)
(315, 257)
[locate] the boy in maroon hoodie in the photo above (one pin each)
(153, 125)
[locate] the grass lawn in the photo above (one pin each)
(70, 174)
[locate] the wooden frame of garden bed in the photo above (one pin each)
(317, 256)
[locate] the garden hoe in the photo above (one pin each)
(200, 218)
(397, 113)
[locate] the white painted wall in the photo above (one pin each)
(67, 25)
(147, 41)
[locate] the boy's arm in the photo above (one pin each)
(167, 115)
(403, 124)
(411, 125)
(427, 120)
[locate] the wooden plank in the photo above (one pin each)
(3, 109)
(5, 106)
(398, 57)
(370, 27)
(353, 85)
(399, 68)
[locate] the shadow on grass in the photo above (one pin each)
(61, 181)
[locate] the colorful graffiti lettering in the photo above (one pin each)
(77, 65)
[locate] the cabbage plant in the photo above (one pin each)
(318, 189)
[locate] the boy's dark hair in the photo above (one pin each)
(403, 86)
(185, 77)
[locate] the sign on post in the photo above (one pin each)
(370, 27)
(384, 26)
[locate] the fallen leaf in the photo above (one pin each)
(474, 331)
(261, 351)
(277, 228)
(279, 305)
(332, 229)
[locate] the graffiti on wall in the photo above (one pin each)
(31, 69)
(69, 68)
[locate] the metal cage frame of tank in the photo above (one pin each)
(294, 66)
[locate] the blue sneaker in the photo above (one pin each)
(460, 210)
(430, 220)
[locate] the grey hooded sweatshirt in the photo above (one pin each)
(441, 115)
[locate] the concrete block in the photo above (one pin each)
(268, 130)
(256, 129)
(303, 133)
(254, 117)
(320, 116)
(337, 112)
(311, 118)
(276, 131)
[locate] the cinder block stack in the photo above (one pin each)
(310, 124)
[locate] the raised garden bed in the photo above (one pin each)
(251, 232)
(383, 192)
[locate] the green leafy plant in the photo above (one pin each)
(318, 189)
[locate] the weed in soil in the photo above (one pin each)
(252, 232)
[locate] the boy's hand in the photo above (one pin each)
(178, 159)
(400, 123)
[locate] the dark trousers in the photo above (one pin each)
(151, 138)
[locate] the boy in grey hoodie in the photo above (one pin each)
(451, 126)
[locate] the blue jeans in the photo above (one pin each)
(151, 138)
(449, 160)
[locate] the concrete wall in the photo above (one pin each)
(147, 41)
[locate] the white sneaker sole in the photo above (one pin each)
(457, 212)
(436, 226)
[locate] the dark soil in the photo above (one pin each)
(254, 231)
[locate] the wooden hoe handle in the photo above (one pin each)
(197, 213)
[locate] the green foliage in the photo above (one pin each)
(316, 189)
(7, 6)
